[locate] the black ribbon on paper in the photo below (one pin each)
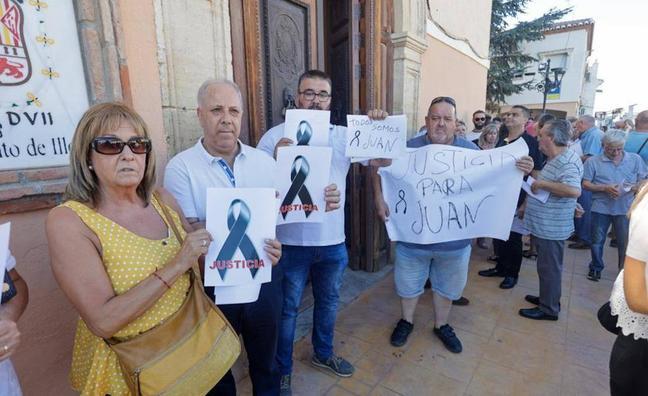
(298, 188)
(304, 133)
(238, 238)
(401, 195)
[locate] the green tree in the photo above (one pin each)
(506, 56)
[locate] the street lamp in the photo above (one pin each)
(548, 84)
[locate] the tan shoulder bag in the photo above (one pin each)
(188, 353)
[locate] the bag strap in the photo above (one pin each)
(642, 146)
(174, 228)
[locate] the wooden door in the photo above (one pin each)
(273, 43)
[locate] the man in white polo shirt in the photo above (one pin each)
(219, 159)
(317, 249)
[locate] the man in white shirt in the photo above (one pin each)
(219, 159)
(317, 249)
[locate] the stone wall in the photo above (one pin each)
(194, 44)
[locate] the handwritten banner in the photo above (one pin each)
(441, 193)
(42, 83)
(307, 127)
(302, 174)
(239, 220)
(368, 138)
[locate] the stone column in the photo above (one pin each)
(194, 44)
(409, 43)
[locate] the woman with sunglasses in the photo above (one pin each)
(111, 249)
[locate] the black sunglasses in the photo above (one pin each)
(445, 99)
(112, 146)
(480, 118)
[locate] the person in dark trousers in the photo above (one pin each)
(509, 252)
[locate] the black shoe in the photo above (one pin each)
(401, 332)
(579, 245)
(492, 259)
(508, 283)
(461, 301)
(529, 254)
(447, 335)
(428, 284)
(535, 300)
(536, 314)
(573, 238)
(594, 275)
(490, 273)
(613, 243)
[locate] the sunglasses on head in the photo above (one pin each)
(112, 146)
(445, 99)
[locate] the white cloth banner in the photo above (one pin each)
(42, 83)
(308, 127)
(239, 220)
(441, 193)
(302, 174)
(368, 138)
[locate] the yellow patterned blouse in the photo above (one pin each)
(128, 259)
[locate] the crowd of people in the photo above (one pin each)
(126, 273)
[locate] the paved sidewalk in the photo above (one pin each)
(504, 354)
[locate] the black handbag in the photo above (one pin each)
(8, 288)
(607, 320)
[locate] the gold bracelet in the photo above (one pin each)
(155, 274)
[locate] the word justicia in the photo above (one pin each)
(298, 207)
(237, 264)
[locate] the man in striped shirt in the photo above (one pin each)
(552, 222)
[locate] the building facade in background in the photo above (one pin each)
(154, 54)
(568, 45)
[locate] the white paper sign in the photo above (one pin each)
(368, 138)
(308, 127)
(239, 220)
(541, 195)
(4, 251)
(240, 294)
(441, 193)
(42, 83)
(302, 174)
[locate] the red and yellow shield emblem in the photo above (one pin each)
(15, 67)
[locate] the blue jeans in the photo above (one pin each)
(583, 224)
(325, 264)
(600, 224)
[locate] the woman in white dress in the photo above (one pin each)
(10, 311)
(629, 300)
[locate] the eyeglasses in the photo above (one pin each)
(309, 94)
(444, 99)
(113, 146)
(479, 118)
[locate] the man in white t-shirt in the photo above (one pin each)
(317, 249)
(220, 159)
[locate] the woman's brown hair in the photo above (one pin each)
(100, 119)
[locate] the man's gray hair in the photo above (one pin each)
(588, 120)
(202, 91)
(560, 131)
(614, 136)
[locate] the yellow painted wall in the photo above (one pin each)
(448, 72)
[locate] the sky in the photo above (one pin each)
(620, 33)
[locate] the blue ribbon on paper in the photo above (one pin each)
(238, 238)
(304, 133)
(298, 188)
